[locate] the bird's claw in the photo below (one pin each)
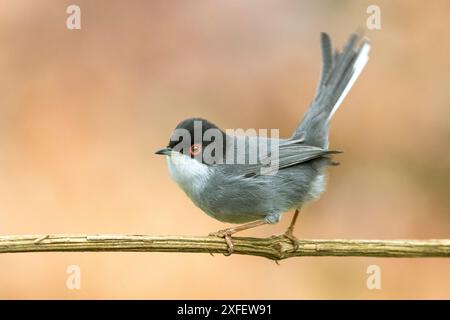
(288, 234)
(226, 234)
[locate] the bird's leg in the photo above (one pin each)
(227, 233)
(290, 230)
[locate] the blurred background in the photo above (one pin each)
(82, 111)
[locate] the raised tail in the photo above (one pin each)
(339, 72)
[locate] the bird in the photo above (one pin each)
(231, 180)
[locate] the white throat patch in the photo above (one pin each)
(188, 173)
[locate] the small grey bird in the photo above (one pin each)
(257, 192)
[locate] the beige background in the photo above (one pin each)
(81, 113)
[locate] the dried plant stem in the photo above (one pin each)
(275, 248)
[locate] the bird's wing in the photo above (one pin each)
(288, 155)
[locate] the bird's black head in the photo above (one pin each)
(199, 139)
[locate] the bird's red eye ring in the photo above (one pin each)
(195, 149)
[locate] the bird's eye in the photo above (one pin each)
(195, 149)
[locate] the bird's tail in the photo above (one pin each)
(339, 72)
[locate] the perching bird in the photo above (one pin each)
(222, 176)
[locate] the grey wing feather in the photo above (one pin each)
(288, 156)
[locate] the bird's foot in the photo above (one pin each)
(226, 234)
(290, 235)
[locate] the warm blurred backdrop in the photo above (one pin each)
(81, 113)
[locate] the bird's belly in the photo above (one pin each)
(235, 201)
(233, 217)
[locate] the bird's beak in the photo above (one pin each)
(164, 151)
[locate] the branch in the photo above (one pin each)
(275, 248)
